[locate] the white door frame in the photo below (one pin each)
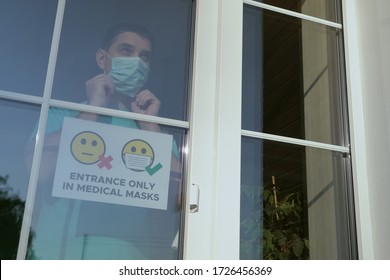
(215, 132)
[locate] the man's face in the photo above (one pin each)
(129, 44)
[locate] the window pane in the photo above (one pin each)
(324, 9)
(169, 51)
(293, 202)
(107, 190)
(14, 175)
(26, 29)
(291, 77)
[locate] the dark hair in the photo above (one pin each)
(111, 34)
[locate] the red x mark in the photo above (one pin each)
(105, 162)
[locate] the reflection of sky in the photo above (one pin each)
(252, 97)
(26, 29)
(24, 51)
(25, 43)
(15, 130)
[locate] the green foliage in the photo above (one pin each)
(282, 234)
(11, 217)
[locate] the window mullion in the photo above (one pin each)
(293, 14)
(25, 230)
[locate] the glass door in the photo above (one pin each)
(106, 157)
(269, 144)
(145, 125)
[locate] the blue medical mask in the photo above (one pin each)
(129, 74)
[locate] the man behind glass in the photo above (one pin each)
(64, 228)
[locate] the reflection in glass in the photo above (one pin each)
(324, 9)
(293, 202)
(14, 175)
(90, 205)
(291, 77)
(26, 29)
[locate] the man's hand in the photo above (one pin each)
(99, 90)
(145, 102)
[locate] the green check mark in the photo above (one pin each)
(152, 170)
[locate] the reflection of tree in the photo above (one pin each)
(11, 216)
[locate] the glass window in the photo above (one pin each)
(293, 202)
(291, 77)
(16, 120)
(324, 9)
(166, 74)
(26, 29)
(108, 189)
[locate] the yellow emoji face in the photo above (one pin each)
(137, 155)
(87, 147)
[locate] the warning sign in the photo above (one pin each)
(112, 164)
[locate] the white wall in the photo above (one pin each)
(367, 29)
